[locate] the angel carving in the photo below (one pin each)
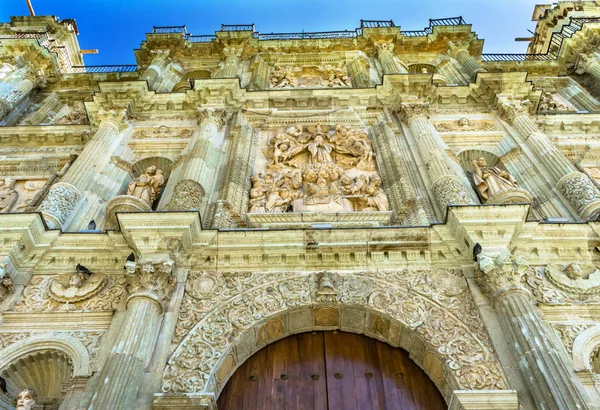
(76, 287)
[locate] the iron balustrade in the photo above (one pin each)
(376, 23)
(203, 38)
(306, 36)
(122, 68)
(168, 29)
(237, 27)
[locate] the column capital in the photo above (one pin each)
(116, 117)
(217, 117)
(586, 61)
(232, 51)
(509, 110)
(412, 110)
(457, 47)
(499, 273)
(152, 277)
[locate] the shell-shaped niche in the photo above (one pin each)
(43, 371)
(467, 157)
(162, 163)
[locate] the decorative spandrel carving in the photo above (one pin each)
(554, 284)
(147, 186)
(76, 287)
(317, 169)
(464, 125)
(42, 292)
(310, 76)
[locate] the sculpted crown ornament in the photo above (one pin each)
(498, 272)
(151, 277)
(117, 118)
(511, 109)
(217, 117)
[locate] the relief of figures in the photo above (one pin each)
(15, 194)
(318, 169)
(147, 186)
(310, 76)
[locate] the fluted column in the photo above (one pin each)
(395, 176)
(449, 72)
(446, 184)
(172, 75)
(153, 74)
(150, 284)
(359, 72)
(578, 96)
(17, 86)
(232, 206)
(64, 196)
(469, 64)
(387, 59)
(230, 65)
(551, 380)
(193, 173)
(46, 109)
(575, 186)
(589, 63)
(260, 74)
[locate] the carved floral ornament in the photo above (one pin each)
(218, 310)
(309, 76)
(464, 125)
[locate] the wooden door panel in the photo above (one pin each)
(330, 371)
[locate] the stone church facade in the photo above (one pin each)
(163, 222)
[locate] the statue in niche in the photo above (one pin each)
(8, 195)
(491, 180)
(148, 185)
(26, 399)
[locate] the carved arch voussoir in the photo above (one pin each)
(429, 314)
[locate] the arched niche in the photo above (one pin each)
(453, 354)
(422, 68)
(43, 363)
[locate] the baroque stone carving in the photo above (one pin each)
(495, 185)
(464, 125)
(575, 278)
(569, 332)
(449, 190)
(162, 132)
(579, 190)
(546, 292)
(76, 115)
(37, 296)
(26, 399)
(318, 171)
(548, 103)
(8, 196)
(59, 203)
(309, 76)
(147, 186)
(76, 287)
(498, 272)
(154, 276)
(218, 310)
(187, 195)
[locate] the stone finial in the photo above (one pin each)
(412, 110)
(152, 277)
(26, 399)
(498, 272)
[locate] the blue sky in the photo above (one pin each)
(116, 27)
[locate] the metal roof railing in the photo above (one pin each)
(118, 68)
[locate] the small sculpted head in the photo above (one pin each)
(482, 162)
(26, 399)
(151, 170)
(574, 271)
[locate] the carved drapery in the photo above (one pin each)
(446, 184)
(575, 186)
(218, 310)
(150, 284)
(550, 379)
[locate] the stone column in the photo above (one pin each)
(359, 72)
(153, 74)
(578, 96)
(193, 174)
(230, 65)
(150, 284)
(589, 63)
(446, 184)
(172, 75)
(64, 196)
(18, 85)
(395, 176)
(469, 64)
(231, 208)
(448, 71)
(46, 109)
(260, 74)
(550, 379)
(575, 186)
(387, 59)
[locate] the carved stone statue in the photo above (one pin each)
(548, 103)
(8, 196)
(26, 399)
(148, 185)
(491, 180)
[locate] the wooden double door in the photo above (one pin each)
(330, 371)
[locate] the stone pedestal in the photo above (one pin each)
(469, 64)
(388, 61)
(150, 283)
(575, 186)
(447, 185)
(550, 379)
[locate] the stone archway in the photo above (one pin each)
(225, 318)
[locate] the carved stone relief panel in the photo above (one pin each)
(16, 194)
(308, 70)
(72, 292)
(564, 283)
(316, 169)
